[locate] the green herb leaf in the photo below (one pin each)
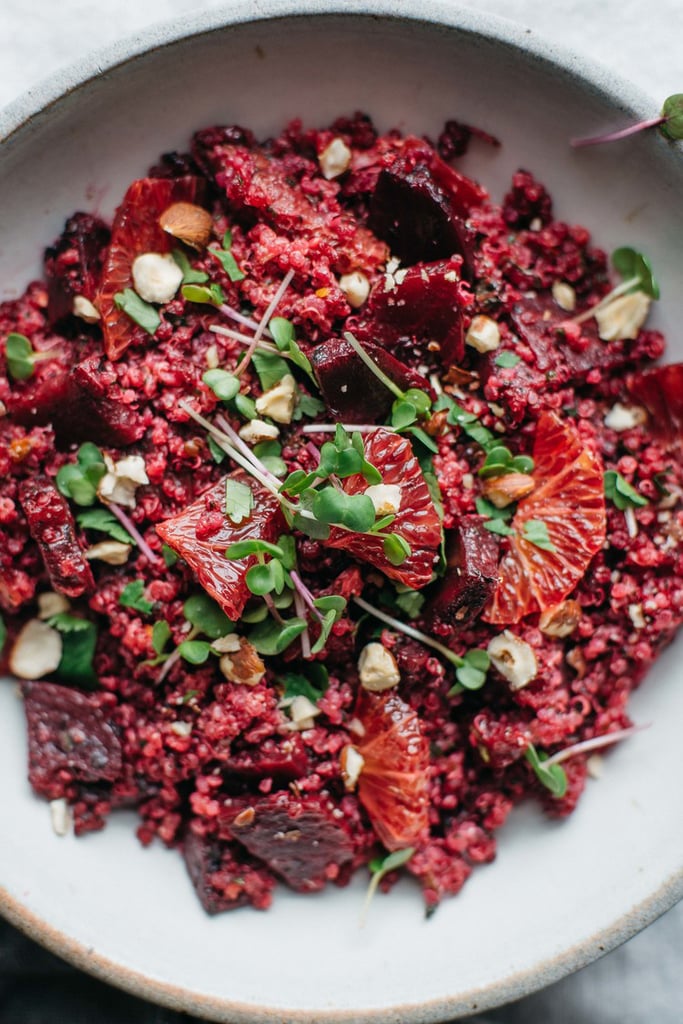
(228, 262)
(102, 520)
(141, 312)
(487, 508)
(396, 549)
(190, 275)
(620, 492)
(333, 606)
(79, 640)
(161, 634)
(287, 546)
(206, 616)
(196, 652)
(410, 602)
(522, 464)
(306, 405)
(245, 406)
(217, 453)
(223, 384)
(631, 263)
(553, 777)
(311, 527)
(270, 454)
(355, 511)
(79, 480)
(472, 674)
(536, 532)
(498, 526)
(506, 359)
(282, 331)
(270, 368)
(169, 556)
(296, 685)
(239, 500)
(403, 413)
(497, 462)
(265, 578)
(19, 356)
(381, 866)
(468, 423)
(673, 112)
(245, 548)
(211, 295)
(271, 638)
(132, 597)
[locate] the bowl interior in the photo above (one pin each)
(559, 894)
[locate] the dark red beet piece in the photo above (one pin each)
(526, 201)
(73, 265)
(302, 842)
(283, 760)
(660, 390)
(53, 529)
(352, 392)
(224, 877)
(472, 556)
(68, 732)
(204, 551)
(425, 306)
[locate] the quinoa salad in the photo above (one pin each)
(340, 509)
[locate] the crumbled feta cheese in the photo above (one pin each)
(625, 417)
(377, 668)
(483, 334)
(355, 287)
(513, 658)
(385, 497)
(351, 763)
(50, 603)
(36, 652)
(113, 552)
(623, 317)
(564, 296)
(85, 310)
(278, 402)
(60, 816)
(256, 431)
(156, 277)
(122, 480)
(334, 159)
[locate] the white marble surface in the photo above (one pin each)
(642, 981)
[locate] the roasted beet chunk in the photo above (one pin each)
(660, 390)
(300, 840)
(472, 555)
(74, 263)
(52, 528)
(68, 732)
(104, 418)
(282, 760)
(351, 391)
(201, 538)
(224, 876)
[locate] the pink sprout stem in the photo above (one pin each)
(305, 637)
(622, 133)
(240, 445)
(240, 318)
(593, 744)
(329, 428)
(129, 525)
(263, 323)
(301, 589)
(243, 339)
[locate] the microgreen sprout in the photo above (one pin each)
(132, 529)
(638, 275)
(669, 122)
(551, 775)
(223, 384)
(132, 596)
(79, 640)
(470, 669)
(313, 685)
(506, 359)
(410, 405)
(104, 521)
(621, 493)
(535, 531)
(468, 422)
(79, 480)
(142, 313)
(500, 461)
(596, 743)
(381, 866)
(226, 258)
(264, 321)
(190, 275)
(203, 294)
(21, 358)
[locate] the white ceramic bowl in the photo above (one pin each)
(559, 895)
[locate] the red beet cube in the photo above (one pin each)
(53, 529)
(472, 574)
(224, 876)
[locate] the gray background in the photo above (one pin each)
(640, 983)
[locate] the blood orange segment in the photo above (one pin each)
(569, 498)
(135, 231)
(193, 536)
(417, 520)
(393, 782)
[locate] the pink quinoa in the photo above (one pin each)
(297, 647)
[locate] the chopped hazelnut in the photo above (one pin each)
(278, 402)
(501, 491)
(351, 762)
(244, 665)
(560, 620)
(256, 431)
(623, 317)
(156, 277)
(377, 668)
(355, 287)
(85, 310)
(113, 552)
(385, 497)
(513, 658)
(483, 334)
(36, 652)
(334, 159)
(564, 296)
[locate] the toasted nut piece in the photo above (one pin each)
(256, 431)
(122, 479)
(514, 659)
(85, 310)
(156, 277)
(50, 603)
(377, 668)
(113, 552)
(334, 159)
(302, 713)
(501, 491)
(36, 652)
(245, 817)
(212, 358)
(564, 296)
(594, 765)
(560, 620)
(635, 614)
(182, 729)
(244, 665)
(577, 661)
(278, 402)
(60, 816)
(623, 317)
(227, 644)
(483, 334)
(351, 762)
(385, 497)
(188, 222)
(355, 287)
(625, 417)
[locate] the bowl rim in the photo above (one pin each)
(28, 110)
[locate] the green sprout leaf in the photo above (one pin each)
(633, 264)
(161, 634)
(553, 777)
(207, 617)
(270, 454)
(270, 368)
(19, 356)
(472, 674)
(536, 532)
(285, 340)
(354, 511)
(245, 406)
(190, 275)
(403, 414)
(223, 384)
(410, 602)
(332, 606)
(79, 480)
(396, 549)
(141, 312)
(211, 295)
(296, 685)
(217, 453)
(381, 866)
(620, 492)
(227, 260)
(271, 638)
(196, 652)
(506, 359)
(239, 500)
(169, 556)
(498, 526)
(672, 110)
(132, 597)
(487, 508)
(282, 331)
(245, 548)
(79, 640)
(265, 578)
(104, 521)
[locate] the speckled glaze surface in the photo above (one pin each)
(559, 895)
